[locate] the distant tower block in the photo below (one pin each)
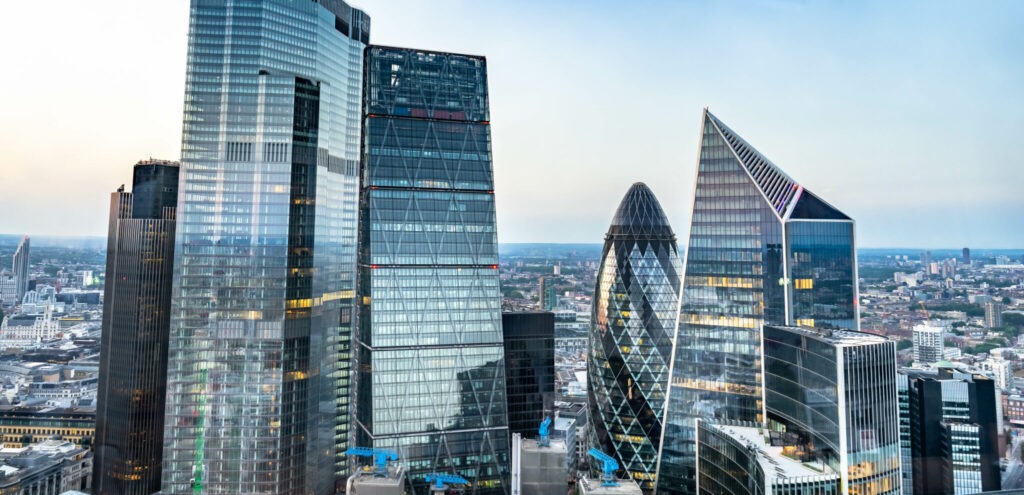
(967, 256)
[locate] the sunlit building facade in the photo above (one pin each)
(431, 371)
(635, 309)
(261, 315)
(762, 250)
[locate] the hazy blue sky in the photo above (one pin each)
(909, 116)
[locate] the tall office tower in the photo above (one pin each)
(953, 421)
(993, 314)
(762, 249)
(529, 369)
(265, 248)
(20, 263)
(548, 295)
(967, 256)
(136, 319)
(836, 390)
(634, 317)
(928, 344)
(430, 354)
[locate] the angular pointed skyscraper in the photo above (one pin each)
(634, 319)
(762, 250)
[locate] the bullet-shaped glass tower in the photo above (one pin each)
(635, 309)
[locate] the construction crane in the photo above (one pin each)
(439, 480)
(380, 458)
(609, 466)
(923, 308)
(544, 431)
(197, 465)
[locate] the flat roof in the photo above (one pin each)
(838, 337)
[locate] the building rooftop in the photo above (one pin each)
(771, 458)
(837, 337)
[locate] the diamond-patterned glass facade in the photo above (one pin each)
(265, 248)
(762, 249)
(635, 310)
(431, 379)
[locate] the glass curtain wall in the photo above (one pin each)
(265, 248)
(635, 309)
(762, 250)
(430, 351)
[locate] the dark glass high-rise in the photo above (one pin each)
(430, 355)
(762, 250)
(529, 369)
(261, 317)
(133, 345)
(634, 317)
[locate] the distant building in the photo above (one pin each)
(529, 369)
(951, 422)
(634, 321)
(548, 294)
(967, 256)
(136, 325)
(928, 345)
(20, 263)
(1001, 371)
(834, 393)
(8, 289)
(24, 425)
(993, 314)
(50, 467)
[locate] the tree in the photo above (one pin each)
(904, 344)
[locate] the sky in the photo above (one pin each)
(908, 116)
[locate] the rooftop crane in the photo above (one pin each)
(544, 431)
(609, 466)
(380, 458)
(439, 480)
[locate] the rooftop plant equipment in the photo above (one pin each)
(380, 458)
(609, 466)
(544, 431)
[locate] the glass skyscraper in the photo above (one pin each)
(133, 353)
(762, 249)
(634, 318)
(835, 392)
(257, 398)
(431, 374)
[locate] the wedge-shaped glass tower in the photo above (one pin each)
(430, 352)
(635, 305)
(762, 250)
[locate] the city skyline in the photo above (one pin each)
(886, 83)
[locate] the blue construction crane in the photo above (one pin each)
(440, 479)
(609, 467)
(544, 431)
(380, 458)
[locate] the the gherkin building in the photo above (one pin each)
(635, 310)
